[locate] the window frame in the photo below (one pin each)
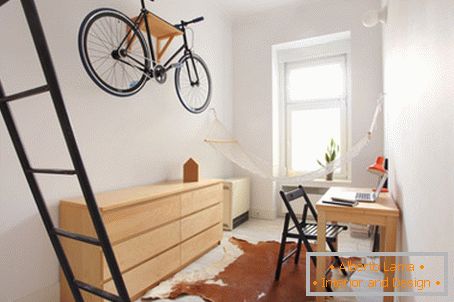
(289, 106)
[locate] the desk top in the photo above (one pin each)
(384, 205)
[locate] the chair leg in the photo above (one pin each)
(343, 270)
(298, 250)
(308, 247)
(335, 244)
(281, 249)
(279, 260)
(331, 246)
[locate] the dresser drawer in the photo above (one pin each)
(198, 245)
(145, 228)
(200, 221)
(143, 247)
(130, 221)
(143, 277)
(197, 200)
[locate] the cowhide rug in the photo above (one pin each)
(247, 276)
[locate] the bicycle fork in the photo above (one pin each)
(189, 52)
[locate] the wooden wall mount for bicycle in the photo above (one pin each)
(162, 31)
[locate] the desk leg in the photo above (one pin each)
(390, 246)
(382, 245)
(321, 247)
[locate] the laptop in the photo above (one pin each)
(361, 197)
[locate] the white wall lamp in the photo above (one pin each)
(373, 17)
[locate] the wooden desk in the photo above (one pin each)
(384, 213)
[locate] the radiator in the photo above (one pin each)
(237, 196)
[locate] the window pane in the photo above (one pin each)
(312, 82)
(312, 130)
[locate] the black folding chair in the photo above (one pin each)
(304, 231)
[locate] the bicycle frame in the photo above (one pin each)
(143, 16)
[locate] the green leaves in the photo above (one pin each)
(333, 155)
(332, 151)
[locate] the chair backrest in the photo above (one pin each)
(288, 197)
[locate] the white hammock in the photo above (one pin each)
(221, 140)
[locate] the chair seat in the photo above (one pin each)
(310, 231)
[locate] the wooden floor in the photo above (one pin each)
(263, 230)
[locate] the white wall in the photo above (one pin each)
(253, 39)
(418, 77)
(124, 142)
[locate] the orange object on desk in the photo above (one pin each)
(378, 167)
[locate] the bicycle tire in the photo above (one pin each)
(206, 97)
(98, 18)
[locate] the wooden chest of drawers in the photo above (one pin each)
(155, 231)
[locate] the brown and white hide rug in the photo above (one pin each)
(244, 273)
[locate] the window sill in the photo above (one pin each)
(323, 183)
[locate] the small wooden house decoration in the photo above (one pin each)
(191, 171)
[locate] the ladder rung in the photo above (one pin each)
(79, 237)
(98, 292)
(53, 171)
(25, 94)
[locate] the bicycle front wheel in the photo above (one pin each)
(193, 83)
(114, 52)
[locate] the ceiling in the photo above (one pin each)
(248, 7)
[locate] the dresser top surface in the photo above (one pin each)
(129, 196)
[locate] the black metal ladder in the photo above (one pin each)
(55, 233)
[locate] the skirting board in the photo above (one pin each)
(240, 219)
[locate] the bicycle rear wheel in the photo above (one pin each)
(193, 83)
(114, 52)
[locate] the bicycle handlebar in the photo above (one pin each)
(143, 2)
(196, 20)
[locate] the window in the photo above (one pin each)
(315, 96)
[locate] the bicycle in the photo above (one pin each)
(120, 61)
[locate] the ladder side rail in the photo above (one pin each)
(39, 200)
(57, 98)
(3, 2)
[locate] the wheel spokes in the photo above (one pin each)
(102, 41)
(194, 95)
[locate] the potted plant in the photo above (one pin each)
(332, 151)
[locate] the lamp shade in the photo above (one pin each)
(378, 167)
